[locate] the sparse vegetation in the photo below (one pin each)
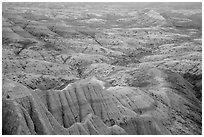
(102, 68)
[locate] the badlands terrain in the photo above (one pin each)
(102, 68)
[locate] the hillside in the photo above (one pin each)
(102, 68)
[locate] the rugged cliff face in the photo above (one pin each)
(105, 68)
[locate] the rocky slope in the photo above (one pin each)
(110, 69)
(164, 106)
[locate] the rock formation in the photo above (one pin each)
(102, 69)
(86, 107)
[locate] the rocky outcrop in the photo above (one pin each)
(51, 112)
(91, 107)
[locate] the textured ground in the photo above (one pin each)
(105, 68)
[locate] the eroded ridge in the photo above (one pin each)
(102, 68)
